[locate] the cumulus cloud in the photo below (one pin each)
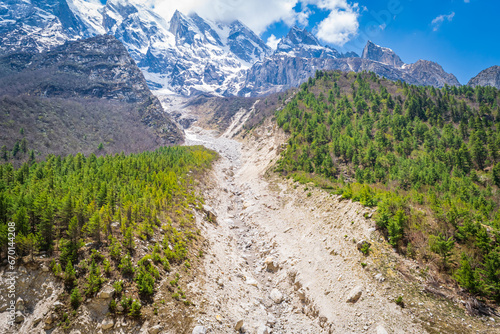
(256, 14)
(341, 25)
(338, 27)
(272, 42)
(436, 23)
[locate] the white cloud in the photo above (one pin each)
(338, 27)
(272, 42)
(440, 19)
(341, 25)
(256, 14)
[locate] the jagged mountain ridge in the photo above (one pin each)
(285, 70)
(189, 55)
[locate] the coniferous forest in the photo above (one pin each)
(86, 213)
(428, 158)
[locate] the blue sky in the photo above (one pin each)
(462, 36)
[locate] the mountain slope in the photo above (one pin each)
(429, 159)
(80, 94)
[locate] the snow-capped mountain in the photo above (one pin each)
(187, 54)
(196, 55)
(38, 25)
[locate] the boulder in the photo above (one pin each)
(199, 330)
(276, 296)
(107, 292)
(107, 323)
(49, 319)
(271, 320)
(355, 294)
(251, 281)
(246, 205)
(302, 294)
(19, 317)
(120, 308)
(271, 264)
(155, 329)
(49, 322)
(20, 304)
(238, 325)
(262, 330)
(210, 212)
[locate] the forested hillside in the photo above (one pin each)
(90, 215)
(85, 96)
(428, 158)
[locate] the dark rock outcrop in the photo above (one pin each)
(488, 77)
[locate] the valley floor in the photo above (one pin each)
(302, 288)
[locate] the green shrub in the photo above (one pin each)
(135, 309)
(126, 265)
(69, 275)
(118, 286)
(75, 298)
(112, 305)
(145, 282)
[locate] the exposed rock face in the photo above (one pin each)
(280, 73)
(286, 70)
(245, 44)
(488, 77)
(382, 55)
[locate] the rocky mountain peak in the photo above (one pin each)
(381, 54)
(299, 36)
(301, 43)
(245, 44)
(488, 77)
(181, 28)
